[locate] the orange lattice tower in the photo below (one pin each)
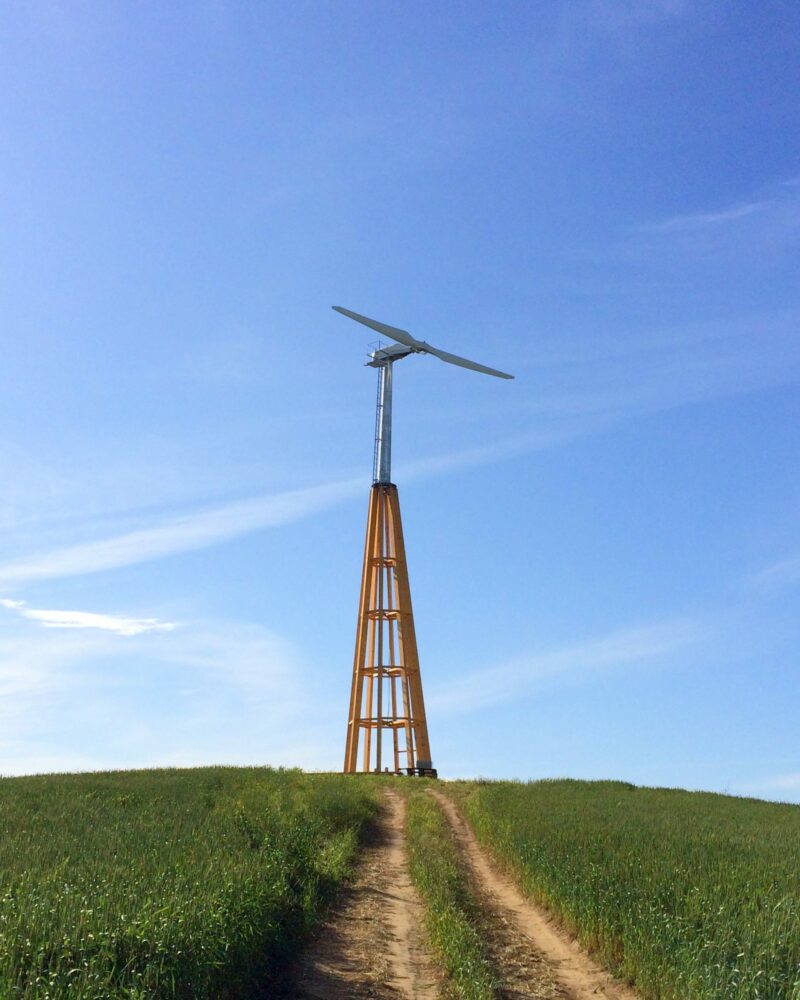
(386, 701)
(386, 695)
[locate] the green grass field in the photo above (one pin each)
(690, 896)
(191, 884)
(203, 883)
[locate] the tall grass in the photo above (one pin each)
(450, 908)
(174, 884)
(690, 896)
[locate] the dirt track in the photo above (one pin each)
(373, 945)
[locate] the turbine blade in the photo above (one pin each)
(401, 336)
(454, 359)
(404, 337)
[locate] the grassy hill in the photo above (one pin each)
(167, 883)
(690, 896)
(201, 883)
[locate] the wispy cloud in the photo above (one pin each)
(698, 220)
(777, 788)
(209, 526)
(778, 208)
(784, 782)
(779, 574)
(660, 370)
(623, 648)
(184, 533)
(209, 692)
(119, 624)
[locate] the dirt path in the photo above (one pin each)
(533, 957)
(371, 947)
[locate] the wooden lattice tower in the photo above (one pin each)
(386, 693)
(386, 701)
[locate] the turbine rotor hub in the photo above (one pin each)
(383, 356)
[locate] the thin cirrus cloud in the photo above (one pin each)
(118, 624)
(698, 220)
(674, 367)
(233, 695)
(224, 522)
(627, 647)
(784, 782)
(779, 574)
(778, 209)
(194, 530)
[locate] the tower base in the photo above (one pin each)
(387, 731)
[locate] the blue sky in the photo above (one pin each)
(601, 197)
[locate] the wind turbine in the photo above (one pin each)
(386, 691)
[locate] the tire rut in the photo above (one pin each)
(535, 960)
(372, 946)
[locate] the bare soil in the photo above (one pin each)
(534, 957)
(372, 946)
